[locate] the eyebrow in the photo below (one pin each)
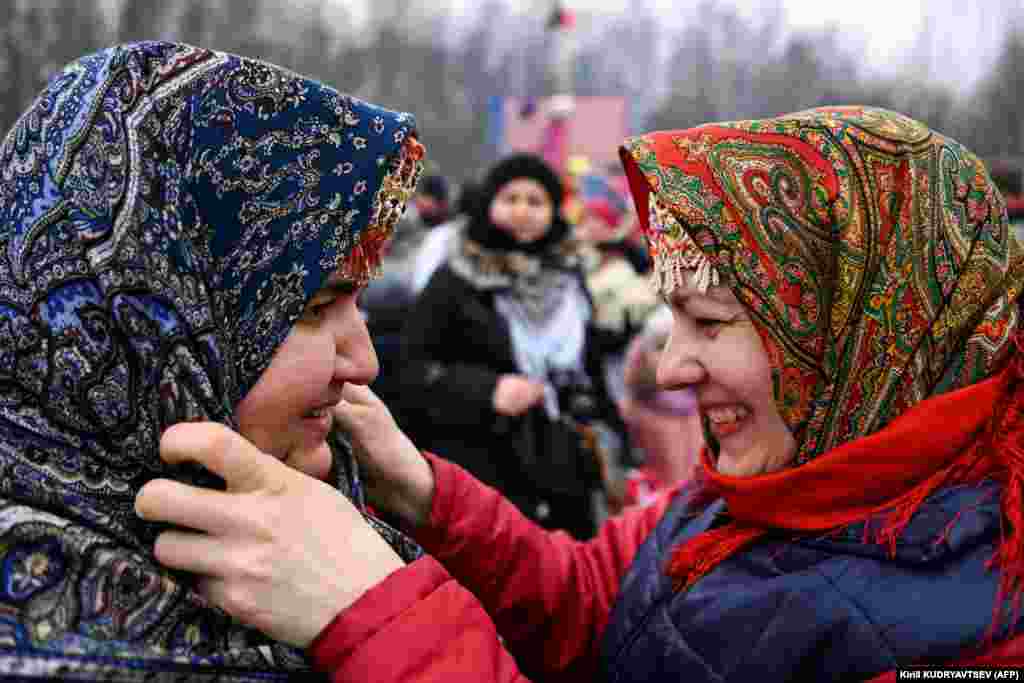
(338, 287)
(696, 297)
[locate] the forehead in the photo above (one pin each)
(523, 185)
(688, 291)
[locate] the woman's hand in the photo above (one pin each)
(398, 478)
(515, 394)
(278, 550)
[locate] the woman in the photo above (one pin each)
(622, 298)
(843, 286)
(184, 236)
(501, 341)
(663, 425)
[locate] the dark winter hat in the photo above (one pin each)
(508, 169)
(523, 166)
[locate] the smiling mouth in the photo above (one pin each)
(724, 421)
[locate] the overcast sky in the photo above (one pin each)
(965, 36)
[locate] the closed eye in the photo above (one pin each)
(712, 326)
(316, 309)
(346, 288)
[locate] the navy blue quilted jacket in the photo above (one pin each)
(810, 609)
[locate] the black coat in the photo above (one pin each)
(454, 347)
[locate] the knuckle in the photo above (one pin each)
(235, 599)
(245, 569)
(259, 515)
(259, 565)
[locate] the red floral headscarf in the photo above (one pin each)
(875, 260)
(872, 254)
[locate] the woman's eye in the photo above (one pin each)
(350, 289)
(710, 326)
(315, 311)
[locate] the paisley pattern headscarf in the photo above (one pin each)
(872, 253)
(874, 258)
(166, 212)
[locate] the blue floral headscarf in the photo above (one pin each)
(166, 213)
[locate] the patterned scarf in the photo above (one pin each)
(874, 258)
(167, 211)
(537, 282)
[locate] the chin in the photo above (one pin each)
(729, 468)
(529, 238)
(739, 466)
(313, 461)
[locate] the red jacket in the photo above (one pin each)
(548, 595)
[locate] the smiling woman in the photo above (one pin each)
(184, 232)
(287, 413)
(502, 339)
(715, 350)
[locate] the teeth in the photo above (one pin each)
(726, 414)
(319, 412)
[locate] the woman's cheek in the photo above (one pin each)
(315, 463)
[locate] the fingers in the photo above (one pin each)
(222, 451)
(358, 394)
(534, 394)
(163, 500)
(191, 552)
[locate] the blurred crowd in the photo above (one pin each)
(518, 336)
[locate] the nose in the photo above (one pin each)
(520, 211)
(355, 358)
(680, 366)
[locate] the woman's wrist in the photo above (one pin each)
(411, 498)
(421, 494)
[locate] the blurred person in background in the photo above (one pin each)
(622, 297)
(663, 426)
(386, 301)
(439, 242)
(499, 357)
(431, 200)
